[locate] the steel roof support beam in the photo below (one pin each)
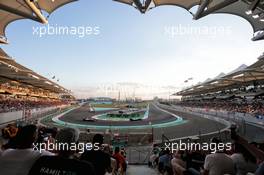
(19, 13)
(258, 37)
(215, 8)
(36, 11)
(147, 4)
(253, 6)
(201, 9)
(139, 6)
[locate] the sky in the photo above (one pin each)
(141, 55)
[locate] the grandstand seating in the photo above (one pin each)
(180, 162)
(241, 90)
(11, 104)
(254, 107)
(22, 88)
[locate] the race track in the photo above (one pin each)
(191, 125)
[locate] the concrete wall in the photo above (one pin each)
(18, 115)
(10, 116)
(248, 118)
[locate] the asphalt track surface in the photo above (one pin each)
(76, 116)
(195, 125)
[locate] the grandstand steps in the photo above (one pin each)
(140, 170)
(138, 155)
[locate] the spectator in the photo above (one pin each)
(19, 161)
(178, 165)
(121, 161)
(64, 162)
(241, 159)
(153, 159)
(114, 167)
(257, 153)
(218, 163)
(165, 162)
(260, 170)
(10, 131)
(99, 159)
(195, 159)
(123, 153)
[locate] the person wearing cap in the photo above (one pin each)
(63, 162)
(99, 159)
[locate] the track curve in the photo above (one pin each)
(192, 125)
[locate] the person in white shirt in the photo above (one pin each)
(243, 160)
(218, 163)
(19, 161)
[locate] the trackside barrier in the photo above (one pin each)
(222, 133)
(243, 120)
(248, 118)
(17, 116)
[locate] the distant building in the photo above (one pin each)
(101, 100)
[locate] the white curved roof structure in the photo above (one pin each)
(11, 10)
(11, 71)
(181, 3)
(240, 8)
(250, 10)
(241, 76)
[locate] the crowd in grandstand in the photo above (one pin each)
(19, 156)
(23, 155)
(16, 98)
(248, 100)
(26, 90)
(254, 106)
(9, 104)
(244, 158)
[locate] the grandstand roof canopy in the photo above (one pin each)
(251, 10)
(11, 10)
(11, 71)
(243, 75)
